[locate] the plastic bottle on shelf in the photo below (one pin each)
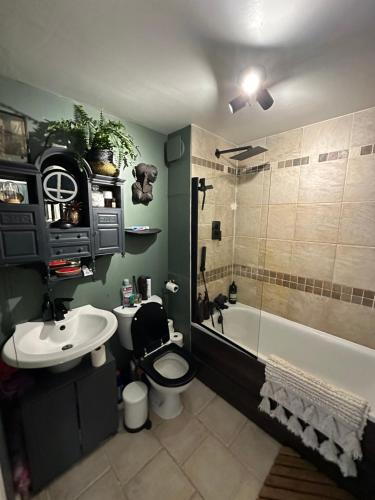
(127, 291)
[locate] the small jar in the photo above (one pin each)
(108, 198)
(114, 205)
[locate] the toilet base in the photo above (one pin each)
(166, 405)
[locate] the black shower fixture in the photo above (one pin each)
(247, 152)
(252, 85)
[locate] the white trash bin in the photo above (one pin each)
(136, 407)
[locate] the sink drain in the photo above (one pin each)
(66, 347)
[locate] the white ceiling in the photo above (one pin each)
(168, 63)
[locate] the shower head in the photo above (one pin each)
(246, 152)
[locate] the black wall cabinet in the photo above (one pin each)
(65, 416)
(25, 235)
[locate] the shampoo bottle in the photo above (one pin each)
(206, 306)
(233, 293)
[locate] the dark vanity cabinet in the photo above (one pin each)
(67, 415)
(22, 226)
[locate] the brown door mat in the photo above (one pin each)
(293, 478)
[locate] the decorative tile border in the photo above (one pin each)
(208, 164)
(296, 162)
(333, 155)
(215, 274)
(309, 285)
(367, 150)
(253, 170)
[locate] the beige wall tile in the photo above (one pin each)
(281, 221)
(284, 145)
(224, 189)
(246, 251)
(315, 260)
(284, 185)
(351, 322)
(318, 222)
(222, 252)
(322, 182)
(278, 255)
(206, 216)
(225, 215)
(250, 189)
(307, 309)
(249, 291)
(355, 267)
(199, 171)
(330, 135)
(204, 144)
(275, 299)
(204, 231)
(357, 225)
(360, 179)
(248, 221)
(218, 286)
(364, 128)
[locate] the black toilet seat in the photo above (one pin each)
(148, 366)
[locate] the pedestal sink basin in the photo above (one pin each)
(59, 344)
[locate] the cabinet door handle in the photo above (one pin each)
(79, 250)
(58, 252)
(78, 235)
(57, 237)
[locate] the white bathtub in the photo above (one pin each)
(338, 361)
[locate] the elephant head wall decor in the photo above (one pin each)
(145, 176)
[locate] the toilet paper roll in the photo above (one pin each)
(170, 326)
(177, 338)
(98, 357)
(172, 287)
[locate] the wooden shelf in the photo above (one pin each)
(154, 230)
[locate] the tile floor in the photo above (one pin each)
(211, 452)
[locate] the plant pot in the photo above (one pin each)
(100, 160)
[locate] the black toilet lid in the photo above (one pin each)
(149, 328)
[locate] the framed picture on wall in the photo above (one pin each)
(13, 137)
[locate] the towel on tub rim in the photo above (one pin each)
(314, 405)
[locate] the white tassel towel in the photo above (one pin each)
(339, 415)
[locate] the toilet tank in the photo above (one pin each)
(125, 317)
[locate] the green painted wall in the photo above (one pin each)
(21, 289)
(179, 198)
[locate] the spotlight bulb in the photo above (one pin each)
(251, 80)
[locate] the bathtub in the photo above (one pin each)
(337, 361)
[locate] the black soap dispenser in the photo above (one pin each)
(233, 293)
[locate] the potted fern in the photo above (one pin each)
(105, 144)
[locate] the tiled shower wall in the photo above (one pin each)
(304, 243)
(219, 205)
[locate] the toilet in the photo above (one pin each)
(169, 368)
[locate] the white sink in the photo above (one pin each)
(59, 344)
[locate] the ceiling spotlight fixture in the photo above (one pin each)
(252, 79)
(252, 86)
